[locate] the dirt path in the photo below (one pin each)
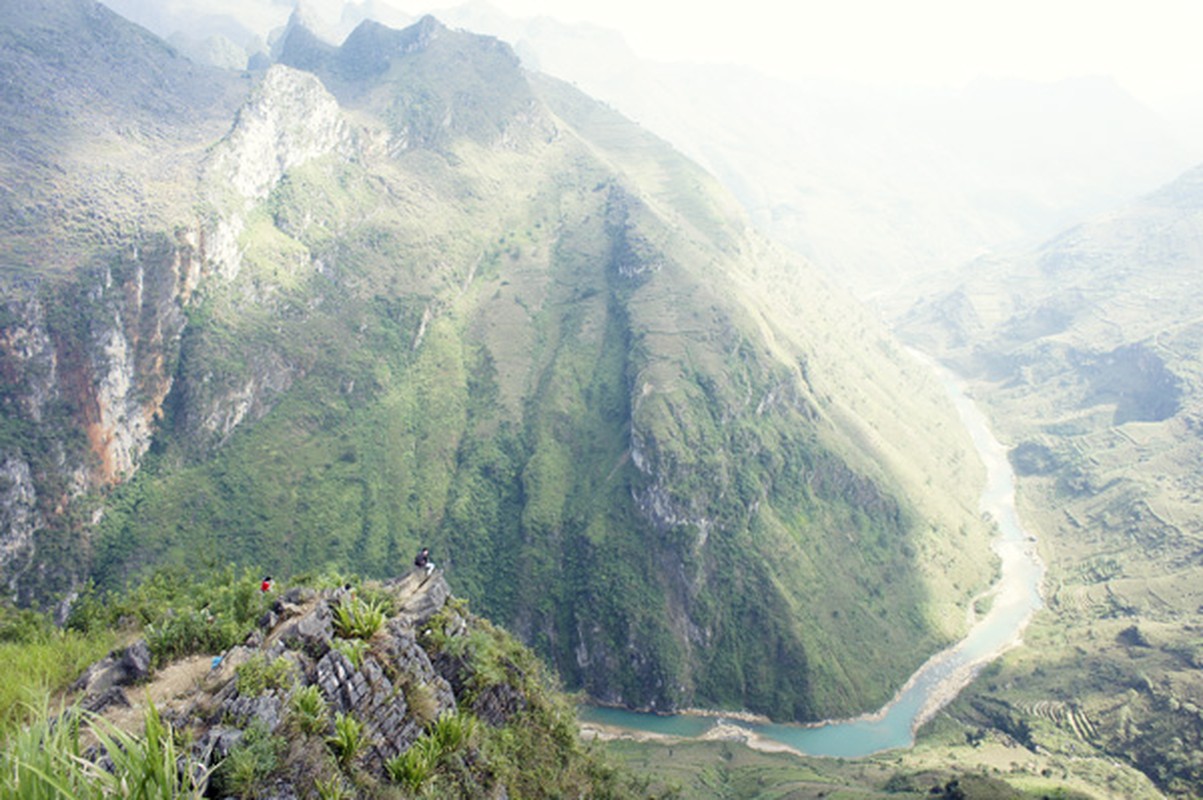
(173, 688)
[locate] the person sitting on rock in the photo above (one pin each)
(422, 560)
(267, 585)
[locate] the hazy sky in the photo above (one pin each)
(1151, 47)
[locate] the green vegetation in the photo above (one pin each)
(535, 753)
(538, 747)
(179, 611)
(531, 336)
(725, 770)
(309, 709)
(260, 674)
(43, 761)
(346, 740)
(245, 770)
(356, 619)
(40, 660)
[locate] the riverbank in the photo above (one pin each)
(1016, 596)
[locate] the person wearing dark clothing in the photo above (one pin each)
(422, 560)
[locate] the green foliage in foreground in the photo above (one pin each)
(39, 660)
(179, 611)
(45, 761)
(535, 754)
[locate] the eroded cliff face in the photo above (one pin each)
(87, 365)
(288, 119)
(87, 362)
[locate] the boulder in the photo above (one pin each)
(120, 668)
(311, 633)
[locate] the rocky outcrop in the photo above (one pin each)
(392, 687)
(289, 119)
(119, 668)
(455, 707)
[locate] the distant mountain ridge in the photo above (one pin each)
(421, 296)
(874, 186)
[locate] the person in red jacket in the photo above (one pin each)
(267, 585)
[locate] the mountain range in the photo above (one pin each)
(875, 186)
(402, 291)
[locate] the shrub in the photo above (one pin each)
(332, 788)
(416, 765)
(250, 762)
(309, 709)
(421, 700)
(182, 613)
(347, 739)
(453, 730)
(356, 619)
(259, 674)
(353, 649)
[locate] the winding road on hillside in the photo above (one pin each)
(1014, 599)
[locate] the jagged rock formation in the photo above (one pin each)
(393, 685)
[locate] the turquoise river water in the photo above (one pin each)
(1016, 596)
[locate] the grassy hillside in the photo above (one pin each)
(442, 302)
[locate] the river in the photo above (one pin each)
(1016, 597)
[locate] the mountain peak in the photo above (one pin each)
(299, 46)
(1185, 193)
(372, 47)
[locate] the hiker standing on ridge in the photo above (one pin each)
(422, 560)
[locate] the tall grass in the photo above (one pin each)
(35, 669)
(46, 761)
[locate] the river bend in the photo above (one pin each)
(1016, 597)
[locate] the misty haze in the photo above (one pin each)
(372, 375)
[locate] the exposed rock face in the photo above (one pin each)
(288, 120)
(393, 689)
(97, 355)
(19, 517)
(86, 381)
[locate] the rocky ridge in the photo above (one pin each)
(418, 667)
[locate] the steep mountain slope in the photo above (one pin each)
(426, 297)
(1088, 353)
(876, 186)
